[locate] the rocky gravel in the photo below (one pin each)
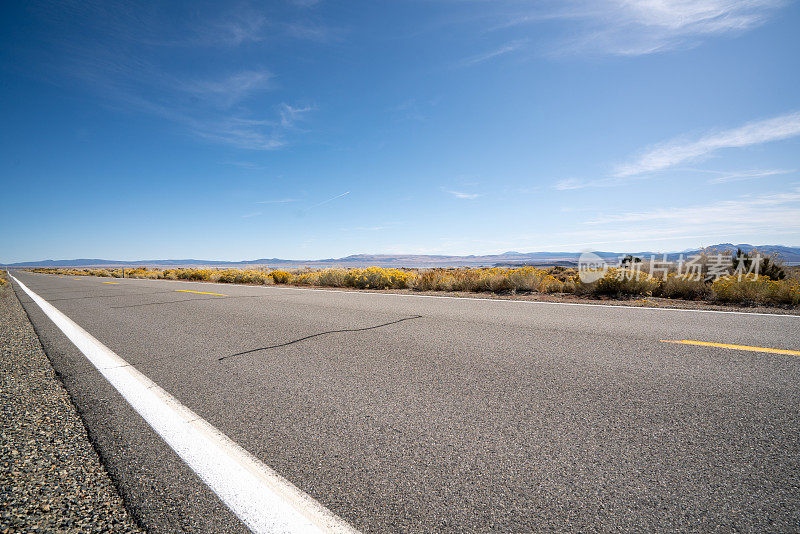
(51, 479)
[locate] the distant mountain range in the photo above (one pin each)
(790, 255)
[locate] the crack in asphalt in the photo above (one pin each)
(320, 334)
(186, 300)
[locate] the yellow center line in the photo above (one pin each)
(77, 278)
(201, 292)
(734, 347)
(115, 283)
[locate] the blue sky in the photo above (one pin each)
(315, 129)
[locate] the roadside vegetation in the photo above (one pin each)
(779, 287)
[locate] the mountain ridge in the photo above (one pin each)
(790, 255)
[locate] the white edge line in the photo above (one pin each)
(544, 302)
(264, 500)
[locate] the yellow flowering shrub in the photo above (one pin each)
(682, 286)
(239, 276)
(615, 282)
(756, 289)
(433, 280)
(306, 279)
(280, 277)
(620, 282)
(377, 278)
(531, 279)
(332, 277)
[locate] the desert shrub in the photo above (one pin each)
(530, 279)
(562, 274)
(169, 274)
(194, 274)
(493, 280)
(618, 282)
(462, 280)
(769, 266)
(142, 272)
(756, 289)
(377, 278)
(306, 279)
(332, 277)
(771, 269)
(240, 276)
(433, 280)
(682, 286)
(280, 277)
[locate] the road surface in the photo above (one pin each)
(403, 413)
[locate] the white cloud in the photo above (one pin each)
(741, 219)
(639, 27)
(461, 195)
(291, 114)
(229, 90)
(242, 27)
(117, 53)
(253, 214)
(724, 177)
(672, 153)
(571, 183)
(767, 210)
(251, 134)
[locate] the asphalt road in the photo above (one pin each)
(414, 414)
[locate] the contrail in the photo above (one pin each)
(326, 201)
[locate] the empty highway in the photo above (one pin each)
(407, 413)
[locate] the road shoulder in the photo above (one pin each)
(51, 477)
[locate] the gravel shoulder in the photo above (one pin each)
(51, 478)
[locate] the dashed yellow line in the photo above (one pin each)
(734, 347)
(115, 283)
(200, 292)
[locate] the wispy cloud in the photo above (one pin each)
(724, 177)
(501, 51)
(290, 115)
(253, 214)
(461, 195)
(570, 183)
(277, 201)
(118, 54)
(672, 153)
(243, 27)
(244, 133)
(377, 228)
(738, 219)
(781, 209)
(244, 165)
(227, 90)
(639, 27)
(313, 32)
